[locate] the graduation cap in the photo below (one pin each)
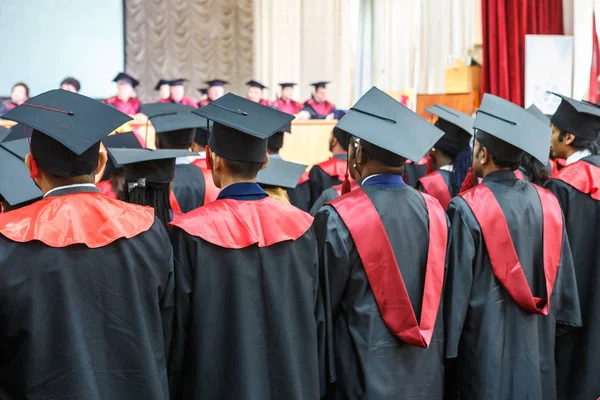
(145, 165)
(253, 83)
(125, 140)
(201, 137)
(513, 125)
(203, 91)
(241, 127)
(322, 84)
(384, 122)
(123, 77)
(177, 82)
(16, 186)
(579, 118)
(19, 148)
(457, 126)
(280, 173)
(3, 133)
(275, 142)
(15, 133)
(287, 84)
(152, 110)
(216, 82)
(533, 110)
(67, 129)
(160, 83)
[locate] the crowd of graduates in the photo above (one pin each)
(448, 260)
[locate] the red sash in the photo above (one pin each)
(435, 186)
(519, 175)
(583, 176)
(353, 185)
(304, 178)
(174, 204)
(334, 167)
(381, 267)
(501, 250)
(106, 188)
(211, 192)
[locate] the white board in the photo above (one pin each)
(548, 67)
(44, 41)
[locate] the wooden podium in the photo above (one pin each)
(309, 141)
(463, 102)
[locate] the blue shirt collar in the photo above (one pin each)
(386, 181)
(243, 191)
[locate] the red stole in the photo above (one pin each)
(106, 188)
(435, 185)
(236, 224)
(501, 250)
(130, 107)
(381, 267)
(334, 167)
(210, 190)
(353, 185)
(325, 108)
(92, 219)
(290, 107)
(204, 102)
(519, 175)
(174, 204)
(583, 176)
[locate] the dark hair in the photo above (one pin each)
(461, 155)
(179, 139)
(245, 170)
(535, 170)
(71, 81)
(501, 164)
(382, 155)
(580, 144)
(155, 195)
(22, 84)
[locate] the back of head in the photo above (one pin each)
(151, 194)
(456, 145)
(381, 155)
(180, 139)
(504, 155)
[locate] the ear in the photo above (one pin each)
(102, 159)
(265, 163)
(28, 162)
(485, 156)
(569, 138)
(208, 157)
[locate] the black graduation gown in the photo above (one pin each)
(503, 351)
(447, 175)
(369, 362)
(86, 323)
(413, 172)
(325, 197)
(321, 180)
(300, 196)
(578, 351)
(246, 317)
(188, 187)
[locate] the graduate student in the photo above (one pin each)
(575, 128)
(286, 102)
(112, 182)
(177, 94)
(86, 282)
(176, 129)
(248, 275)
(278, 177)
(317, 106)
(451, 154)
(147, 176)
(215, 91)
(256, 92)
(510, 286)
(382, 250)
(164, 89)
(125, 100)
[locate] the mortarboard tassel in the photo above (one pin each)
(346, 188)
(469, 181)
(429, 166)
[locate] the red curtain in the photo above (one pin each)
(505, 24)
(595, 69)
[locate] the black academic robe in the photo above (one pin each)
(325, 197)
(578, 351)
(325, 175)
(366, 360)
(246, 309)
(444, 192)
(300, 196)
(188, 187)
(501, 351)
(413, 172)
(79, 322)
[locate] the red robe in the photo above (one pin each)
(318, 110)
(185, 101)
(130, 107)
(290, 106)
(204, 102)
